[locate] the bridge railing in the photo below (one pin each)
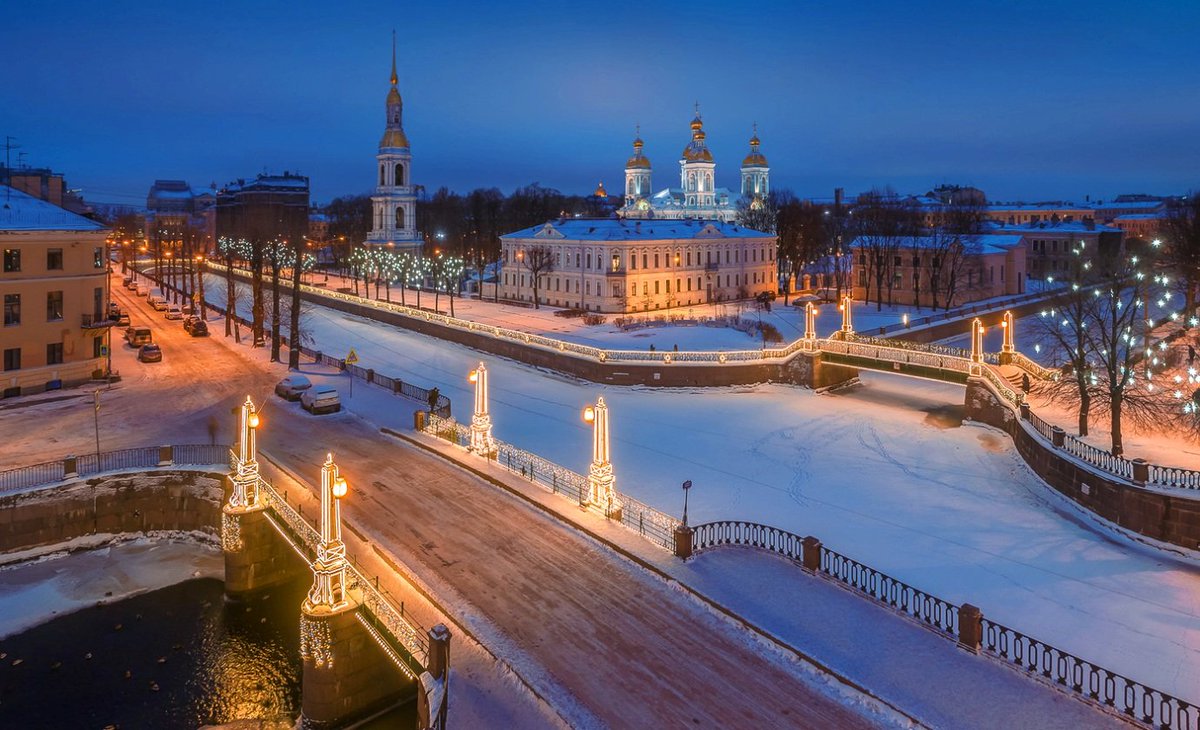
(1083, 678)
(656, 526)
(145, 457)
(887, 353)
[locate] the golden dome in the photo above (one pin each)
(754, 159)
(600, 191)
(638, 160)
(394, 138)
(393, 96)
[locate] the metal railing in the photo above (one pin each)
(1089, 681)
(656, 526)
(1117, 465)
(145, 457)
(1133, 699)
(1169, 476)
(925, 607)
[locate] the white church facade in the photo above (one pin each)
(394, 204)
(697, 195)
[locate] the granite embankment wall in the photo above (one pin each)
(1166, 515)
(186, 501)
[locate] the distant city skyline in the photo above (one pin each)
(1038, 102)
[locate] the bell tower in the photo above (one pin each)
(697, 170)
(637, 174)
(394, 205)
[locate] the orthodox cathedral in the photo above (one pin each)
(696, 196)
(394, 221)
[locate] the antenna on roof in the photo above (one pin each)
(8, 148)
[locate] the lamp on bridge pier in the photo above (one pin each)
(977, 330)
(810, 326)
(328, 592)
(847, 322)
(1009, 334)
(481, 419)
(601, 490)
(244, 495)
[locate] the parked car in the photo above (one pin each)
(321, 399)
(127, 282)
(150, 353)
(173, 312)
(138, 336)
(143, 290)
(199, 328)
(114, 310)
(123, 319)
(157, 303)
(131, 284)
(292, 387)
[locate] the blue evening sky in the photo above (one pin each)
(1028, 100)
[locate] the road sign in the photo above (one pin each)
(104, 351)
(352, 357)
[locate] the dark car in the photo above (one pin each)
(150, 353)
(198, 328)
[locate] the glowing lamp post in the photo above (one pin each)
(481, 420)
(810, 326)
(329, 570)
(244, 495)
(847, 323)
(976, 347)
(601, 490)
(1008, 347)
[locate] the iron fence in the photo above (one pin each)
(144, 457)
(1097, 457)
(200, 454)
(24, 477)
(1090, 681)
(929, 609)
(1168, 476)
(748, 534)
(1133, 699)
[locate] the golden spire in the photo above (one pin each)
(394, 79)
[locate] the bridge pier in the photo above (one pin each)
(345, 675)
(811, 369)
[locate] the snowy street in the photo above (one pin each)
(883, 473)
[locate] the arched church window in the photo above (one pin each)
(382, 175)
(629, 187)
(400, 217)
(399, 173)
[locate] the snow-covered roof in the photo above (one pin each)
(1139, 217)
(622, 229)
(1039, 206)
(980, 243)
(1054, 227)
(1132, 205)
(22, 212)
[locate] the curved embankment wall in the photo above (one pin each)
(175, 500)
(1168, 516)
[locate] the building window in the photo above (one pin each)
(54, 353)
(656, 291)
(399, 173)
(98, 257)
(12, 260)
(400, 217)
(645, 258)
(54, 306)
(616, 262)
(12, 359)
(656, 261)
(97, 346)
(12, 310)
(54, 259)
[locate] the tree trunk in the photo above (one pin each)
(1085, 407)
(229, 296)
(1115, 415)
(257, 308)
(275, 311)
(294, 329)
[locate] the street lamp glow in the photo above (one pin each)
(340, 487)
(253, 420)
(589, 414)
(473, 377)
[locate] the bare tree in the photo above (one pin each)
(538, 261)
(883, 222)
(1181, 231)
(1063, 323)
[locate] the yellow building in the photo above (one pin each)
(53, 283)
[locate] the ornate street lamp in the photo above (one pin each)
(481, 420)
(329, 570)
(847, 323)
(602, 492)
(244, 495)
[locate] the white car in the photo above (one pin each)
(157, 303)
(321, 399)
(174, 312)
(292, 387)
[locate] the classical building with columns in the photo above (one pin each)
(697, 195)
(632, 265)
(394, 204)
